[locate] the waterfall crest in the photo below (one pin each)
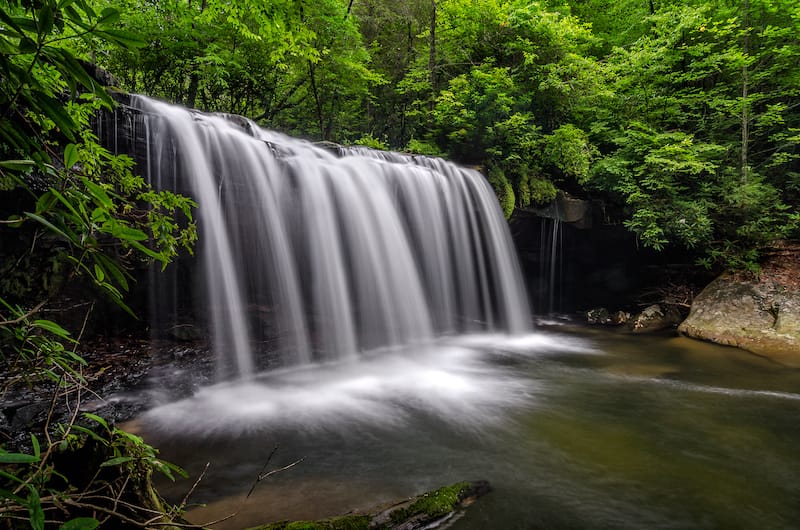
(330, 253)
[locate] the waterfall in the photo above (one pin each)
(329, 252)
(551, 263)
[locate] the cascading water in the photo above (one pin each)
(550, 263)
(332, 253)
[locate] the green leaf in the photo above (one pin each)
(81, 523)
(144, 250)
(109, 16)
(70, 155)
(98, 273)
(27, 45)
(124, 38)
(35, 509)
(26, 23)
(45, 20)
(54, 110)
(126, 233)
(99, 194)
(11, 23)
(68, 204)
(112, 268)
(17, 165)
(49, 225)
(90, 433)
(37, 452)
(75, 357)
(96, 418)
(52, 327)
(117, 461)
(16, 458)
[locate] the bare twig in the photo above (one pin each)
(263, 470)
(284, 468)
(30, 313)
(185, 500)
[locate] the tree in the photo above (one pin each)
(273, 62)
(717, 77)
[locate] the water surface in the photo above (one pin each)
(574, 428)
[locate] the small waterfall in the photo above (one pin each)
(551, 263)
(329, 253)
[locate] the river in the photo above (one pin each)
(574, 427)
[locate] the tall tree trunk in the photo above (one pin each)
(745, 92)
(315, 92)
(432, 56)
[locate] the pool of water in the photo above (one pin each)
(574, 428)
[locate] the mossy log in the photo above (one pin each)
(424, 511)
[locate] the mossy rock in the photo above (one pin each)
(411, 514)
(345, 522)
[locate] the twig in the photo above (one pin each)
(23, 317)
(185, 500)
(284, 468)
(263, 470)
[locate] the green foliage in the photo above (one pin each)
(503, 190)
(373, 143)
(570, 152)
(34, 485)
(421, 147)
(92, 212)
(666, 180)
(39, 66)
(541, 191)
(36, 349)
(298, 66)
(80, 211)
(127, 450)
(718, 82)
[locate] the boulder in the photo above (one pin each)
(758, 314)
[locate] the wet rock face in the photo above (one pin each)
(758, 315)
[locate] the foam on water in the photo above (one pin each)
(454, 380)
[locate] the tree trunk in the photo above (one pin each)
(315, 92)
(745, 91)
(432, 56)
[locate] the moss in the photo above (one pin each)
(420, 511)
(503, 190)
(434, 504)
(346, 522)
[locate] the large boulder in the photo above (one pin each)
(761, 315)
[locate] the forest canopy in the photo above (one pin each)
(681, 117)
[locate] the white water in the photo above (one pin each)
(469, 382)
(333, 255)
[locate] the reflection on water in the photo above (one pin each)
(586, 429)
